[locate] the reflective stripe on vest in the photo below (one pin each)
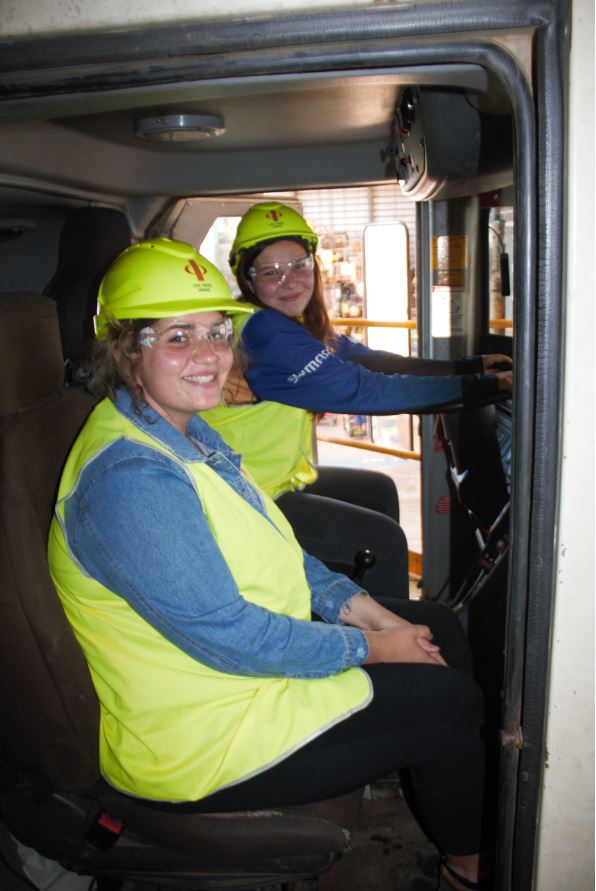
(171, 727)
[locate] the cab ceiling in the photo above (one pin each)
(283, 132)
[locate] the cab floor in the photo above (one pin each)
(389, 852)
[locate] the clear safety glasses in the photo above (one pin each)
(277, 273)
(180, 338)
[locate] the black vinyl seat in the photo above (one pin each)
(91, 239)
(52, 796)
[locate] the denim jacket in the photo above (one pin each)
(135, 524)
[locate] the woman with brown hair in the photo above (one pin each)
(297, 366)
(192, 600)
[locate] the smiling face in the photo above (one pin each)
(182, 372)
(292, 295)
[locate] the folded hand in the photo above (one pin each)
(403, 643)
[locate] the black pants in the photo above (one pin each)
(423, 718)
(344, 511)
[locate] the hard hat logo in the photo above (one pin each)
(193, 268)
(146, 281)
(274, 215)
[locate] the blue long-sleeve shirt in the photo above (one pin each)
(286, 364)
(135, 523)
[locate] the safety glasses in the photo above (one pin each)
(188, 338)
(277, 273)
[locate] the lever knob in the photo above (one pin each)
(363, 560)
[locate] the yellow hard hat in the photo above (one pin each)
(159, 279)
(269, 221)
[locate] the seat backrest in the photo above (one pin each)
(91, 239)
(53, 799)
(49, 714)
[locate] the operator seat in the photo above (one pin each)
(476, 464)
(477, 472)
(52, 796)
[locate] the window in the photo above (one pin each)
(500, 258)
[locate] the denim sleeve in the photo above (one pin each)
(330, 590)
(135, 523)
(286, 364)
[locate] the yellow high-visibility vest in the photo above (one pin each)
(172, 728)
(276, 441)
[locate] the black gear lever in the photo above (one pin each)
(363, 560)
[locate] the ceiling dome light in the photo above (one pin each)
(179, 127)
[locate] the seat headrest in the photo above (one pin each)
(31, 362)
(91, 239)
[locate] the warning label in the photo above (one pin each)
(450, 260)
(447, 311)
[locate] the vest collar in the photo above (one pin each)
(152, 424)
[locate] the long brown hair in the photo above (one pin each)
(315, 318)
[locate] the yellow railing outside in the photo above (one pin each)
(410, 325)
(368, 446)
(370, 323)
